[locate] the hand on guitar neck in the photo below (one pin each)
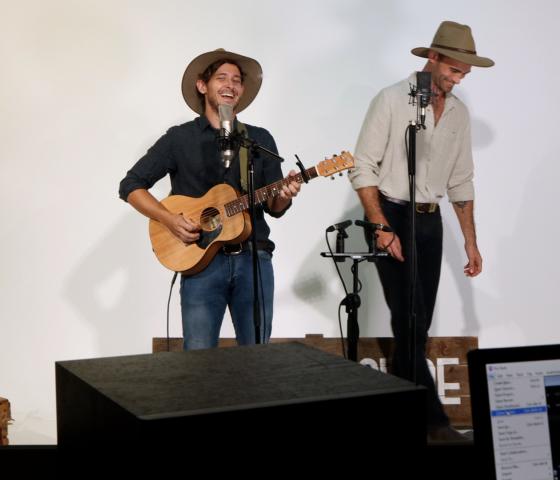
(289, 191)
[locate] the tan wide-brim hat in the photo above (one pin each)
(455, 41)
(252, 78)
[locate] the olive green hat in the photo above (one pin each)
(455, 41)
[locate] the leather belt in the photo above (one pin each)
(235, 248)
(420, 207)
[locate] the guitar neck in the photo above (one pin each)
(270, 191)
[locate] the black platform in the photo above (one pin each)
(268, 392)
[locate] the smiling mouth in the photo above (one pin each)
(226, 95)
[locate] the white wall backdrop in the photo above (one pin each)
(87, 86)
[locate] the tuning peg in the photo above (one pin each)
(332, 178)
(340, 174)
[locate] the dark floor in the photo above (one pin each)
(447, 462)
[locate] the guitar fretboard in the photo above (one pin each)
(262, 194)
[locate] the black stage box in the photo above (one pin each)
(286, 396)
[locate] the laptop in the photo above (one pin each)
(515, 397)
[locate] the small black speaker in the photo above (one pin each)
(284, 396)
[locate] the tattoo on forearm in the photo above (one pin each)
(461, 205)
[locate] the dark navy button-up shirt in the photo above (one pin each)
(189, 154)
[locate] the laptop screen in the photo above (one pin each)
(515, 395)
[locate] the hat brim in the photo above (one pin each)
(468, 58)
(251, 82)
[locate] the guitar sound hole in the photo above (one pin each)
(210, 219)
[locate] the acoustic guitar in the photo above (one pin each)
(223, 216)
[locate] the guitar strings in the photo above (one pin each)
(271, 190)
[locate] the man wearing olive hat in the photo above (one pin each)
(444, 165)
(189, 154)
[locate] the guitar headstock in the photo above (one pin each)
(335, 164)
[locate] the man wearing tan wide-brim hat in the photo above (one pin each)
(214, 82)
(444, 166)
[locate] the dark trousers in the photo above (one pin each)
(395, 279)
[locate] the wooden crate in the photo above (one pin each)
(447, 358)
(5, 417)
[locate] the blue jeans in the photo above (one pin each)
(226, 282)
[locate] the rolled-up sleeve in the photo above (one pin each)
(460, 186)
(150, 168)
(372, 143)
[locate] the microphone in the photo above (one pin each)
(373, 226)
(424, 92)
(339, 226)
(225, 143)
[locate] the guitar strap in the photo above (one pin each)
(243, 157)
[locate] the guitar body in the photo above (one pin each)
(217, 229)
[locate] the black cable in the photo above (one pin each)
(262, 305)
(335, 264)
(341, 332)
(406, 142)
(353, 269)
(168, 303)
(345, 291)
(390, 243)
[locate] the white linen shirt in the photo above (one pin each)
(444, 161)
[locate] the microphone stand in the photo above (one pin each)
(412, 130)
(352, 301)
(253, 147)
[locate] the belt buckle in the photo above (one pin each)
(235, 252)
(426, 207)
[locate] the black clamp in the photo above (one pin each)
(304, 174)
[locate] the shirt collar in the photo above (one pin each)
(203, 122)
